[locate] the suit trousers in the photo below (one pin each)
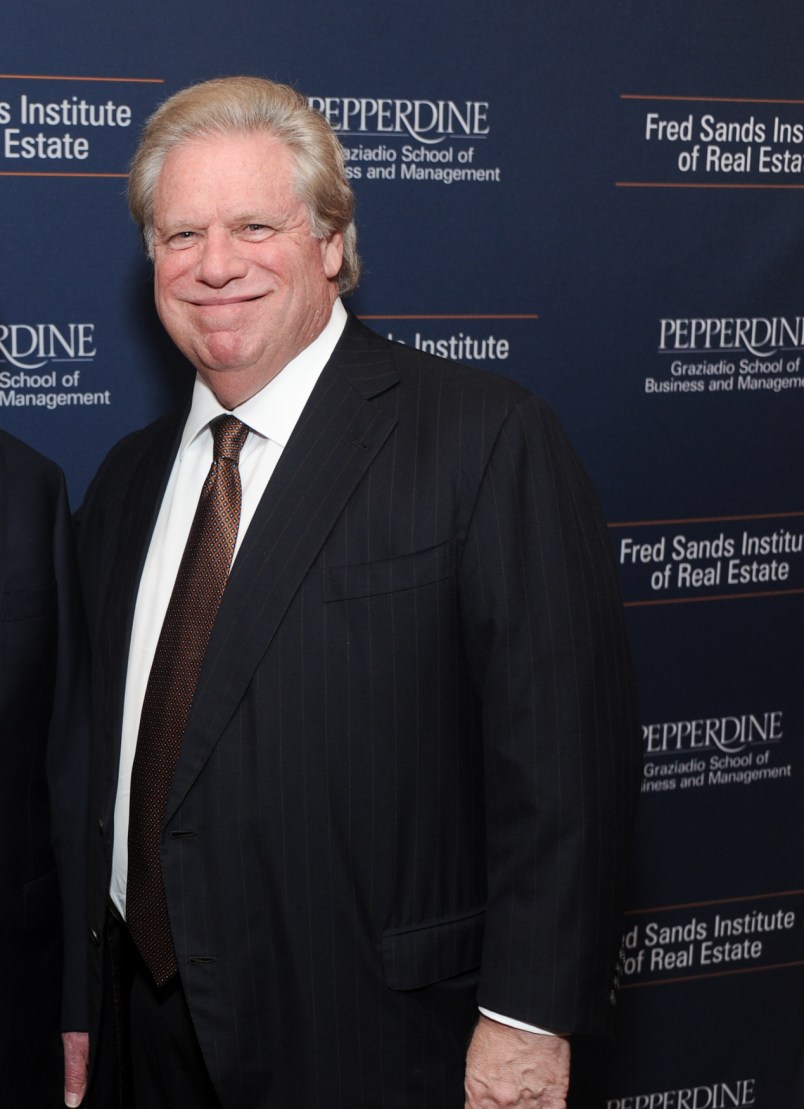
(31, 1059)
(148, 1054)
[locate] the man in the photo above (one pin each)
(392, 780)
(44, 741)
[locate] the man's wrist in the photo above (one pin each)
(520, 1024)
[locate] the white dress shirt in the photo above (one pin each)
(271, 415)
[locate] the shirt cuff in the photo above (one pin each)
(512, 1023)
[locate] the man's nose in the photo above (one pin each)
(220, 261)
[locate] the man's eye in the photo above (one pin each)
(257, 230)
(180, 238)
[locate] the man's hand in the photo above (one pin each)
(510, 1069)
(76, 1058)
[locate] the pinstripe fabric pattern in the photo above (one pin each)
(409, 775)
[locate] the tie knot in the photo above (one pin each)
(229, 434)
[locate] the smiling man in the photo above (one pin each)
(366, 748)
(242, 285)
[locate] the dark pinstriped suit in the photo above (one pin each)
(409, 775)
(44, 751)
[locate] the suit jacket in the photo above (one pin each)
(409, 774)
(43, 785)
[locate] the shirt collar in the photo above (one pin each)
(273, 412)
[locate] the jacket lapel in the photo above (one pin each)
(335, 441)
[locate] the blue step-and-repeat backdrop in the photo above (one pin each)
(604, 201)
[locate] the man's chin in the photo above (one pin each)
(222, 357)
(234, 384)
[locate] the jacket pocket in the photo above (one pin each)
(420, 956)
(27, 604)
(389, 575)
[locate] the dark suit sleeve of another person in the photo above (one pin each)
(68, 770)
(545, 637)
(44, 714)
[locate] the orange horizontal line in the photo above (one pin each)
(714, 901)
(709, 99)
(53, 77)
(21, 173)
(694, 185)
(712, 597)
(713, 974)
(451, 316)
(705, 520)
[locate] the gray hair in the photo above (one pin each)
(247, 105)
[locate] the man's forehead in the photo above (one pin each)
(250, 170)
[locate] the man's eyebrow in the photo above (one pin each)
(273, 219)
(170, 222)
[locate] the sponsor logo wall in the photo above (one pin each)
(606, 206)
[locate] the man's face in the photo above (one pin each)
(241, 284)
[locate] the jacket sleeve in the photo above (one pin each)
(68, 769)
(546, 642)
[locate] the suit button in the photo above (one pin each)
(612, 998)
(100, 824)
(94, 937)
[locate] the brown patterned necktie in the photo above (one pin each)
(190, 615)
